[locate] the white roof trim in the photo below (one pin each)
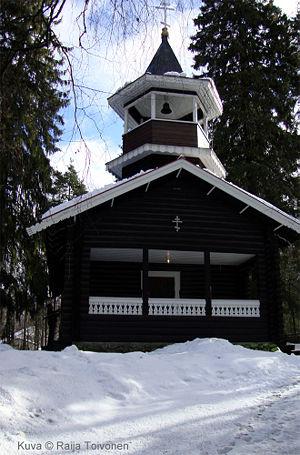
(206, 155)
(204, 87)
(98, 197)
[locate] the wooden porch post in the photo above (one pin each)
(208, 309)
(145, 281)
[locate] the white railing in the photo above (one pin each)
(173, 307)
(115, 305)
(177, 307)
(235, 308)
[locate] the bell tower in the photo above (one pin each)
(165, 116)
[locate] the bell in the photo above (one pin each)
(166, 109)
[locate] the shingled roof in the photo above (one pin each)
(164, 60)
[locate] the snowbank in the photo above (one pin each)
(184, 398)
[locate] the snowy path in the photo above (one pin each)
(205, 397)
(273, 429)
(270, 426)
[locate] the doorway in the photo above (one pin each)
(161, 287)
(164, 284)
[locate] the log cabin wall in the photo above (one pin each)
(67, 298)
(117, 279)
(273, 284)
(144, 219)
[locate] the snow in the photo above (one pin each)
(175, 73)
(77, 200)
(91, 194)
(205, 397)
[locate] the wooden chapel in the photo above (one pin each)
(172, 251)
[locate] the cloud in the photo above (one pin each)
(89, 161)
(107, 65)
(289, 7)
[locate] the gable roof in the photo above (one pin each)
(164, 60)
(93, 199)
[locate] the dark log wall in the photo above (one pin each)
(144, 219)
(67, 317)
(170, 329)
(56, 242)
(274, 309)
(229, 282)
(161, 132)
(124, 280)
(115, 279)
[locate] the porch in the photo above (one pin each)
(173, 283)
(173, 307)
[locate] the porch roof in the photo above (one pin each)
(158, 256)
(95, 198)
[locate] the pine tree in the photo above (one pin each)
(32, 94)
(249, 48)
(66, 186)
(290, 272)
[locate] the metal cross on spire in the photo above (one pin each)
(165, 6)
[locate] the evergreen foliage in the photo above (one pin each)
(290, 273)
(32, 94)
(66, 186)
(250, 50)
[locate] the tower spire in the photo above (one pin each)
(165, 6)
(164, 61)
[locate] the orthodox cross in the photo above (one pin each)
(165, 6)
(177, 221)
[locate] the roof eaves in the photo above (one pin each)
(250, 199)
(136, 181)
(95, 199)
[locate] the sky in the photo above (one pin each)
(105, 66)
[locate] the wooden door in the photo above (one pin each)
(162, 287)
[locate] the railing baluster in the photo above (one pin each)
(174, 307)
(235, 308)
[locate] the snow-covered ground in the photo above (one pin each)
(205, 397)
